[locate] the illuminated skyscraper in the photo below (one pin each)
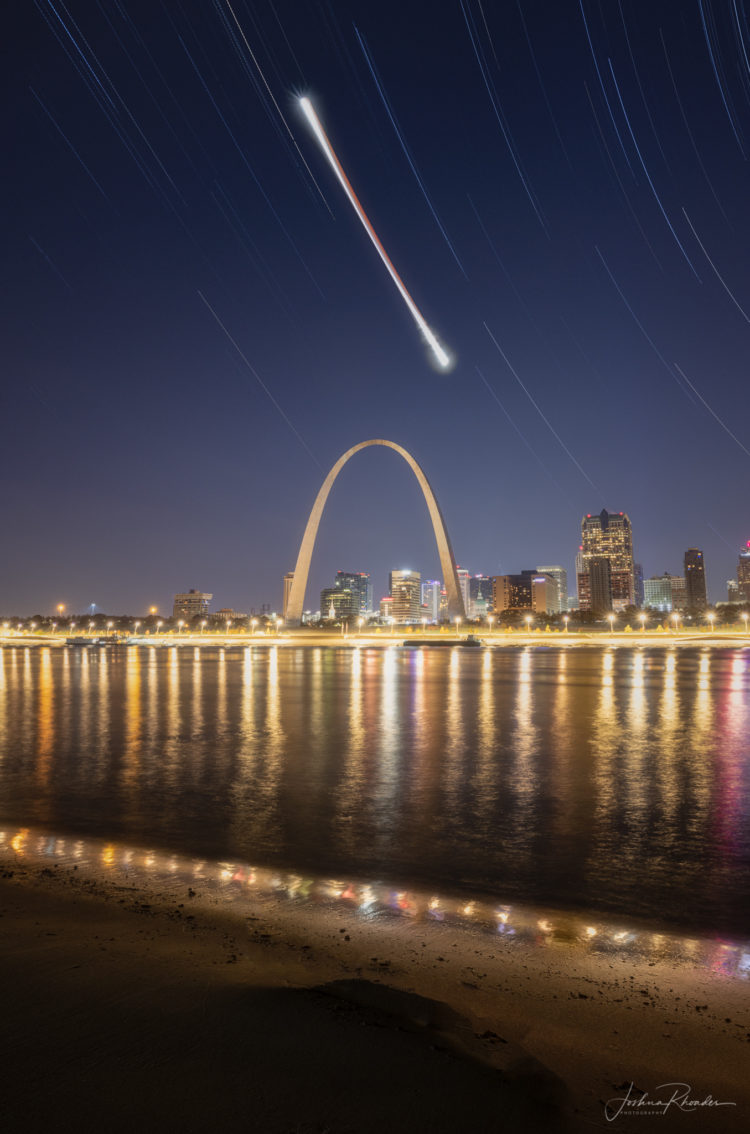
(360, 586)
(608, 536)
(338, 602)
(431, 589)
(657, 593)
(743, 574)
(638, 584)
(560, 575)
(511, 592)
(406, 592)
(695, 579)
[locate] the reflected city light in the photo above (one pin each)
(239, 883)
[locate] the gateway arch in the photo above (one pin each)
(296, 602)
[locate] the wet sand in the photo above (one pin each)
(129, 1004)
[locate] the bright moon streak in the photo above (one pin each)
(439, 352)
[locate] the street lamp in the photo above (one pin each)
(676, 620)
(136, 624)
(711, 618)
(278, 625)
(528, 620)
(611, 620)
(392, 622)
(253, 624)
(566, 620)
(61, 608)
(159, 624)
(359, 624)
(490, 620)
(203, 625)
(744, 619)
(642, 619)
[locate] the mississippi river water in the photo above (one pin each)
(611, 780)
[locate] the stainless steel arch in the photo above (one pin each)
(296, 602)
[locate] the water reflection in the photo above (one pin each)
(607, 778)
(238, 882)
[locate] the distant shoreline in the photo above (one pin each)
(497, 639)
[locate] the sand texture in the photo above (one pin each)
(128, 1005)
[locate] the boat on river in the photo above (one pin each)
(469, 640)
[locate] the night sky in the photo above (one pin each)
(196, 326)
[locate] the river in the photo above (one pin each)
(611, 780)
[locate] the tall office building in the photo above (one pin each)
(360, 585)
(192, 604)
(638, 584)
(608, 536)
(679, 591)
(743, 574)
(288, 580)
(431, 589)
(527, 591)
(511, 592)
(695, 579)
(406, 592)
(545, 594)
(339, 602)
(657, 593)
(600, 583)
(560, 575)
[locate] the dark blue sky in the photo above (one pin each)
(581, 210)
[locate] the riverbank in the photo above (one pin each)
(161, 998)
(497, 639)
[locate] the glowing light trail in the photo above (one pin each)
(440, 353)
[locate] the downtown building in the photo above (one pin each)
(431, 592)
(191, 604)
(527, 591)
(605, 567)
(743, 574)
(695, 579)
(560, 576)
(338, 603)
(480, 596)
(359, 583)
(405, 589)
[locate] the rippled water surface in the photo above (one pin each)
(615, 780)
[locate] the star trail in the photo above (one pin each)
(194, 323)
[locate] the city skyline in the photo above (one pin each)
(195, 320)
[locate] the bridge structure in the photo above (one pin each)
(296, 602)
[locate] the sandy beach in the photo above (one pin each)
(137, 1002)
